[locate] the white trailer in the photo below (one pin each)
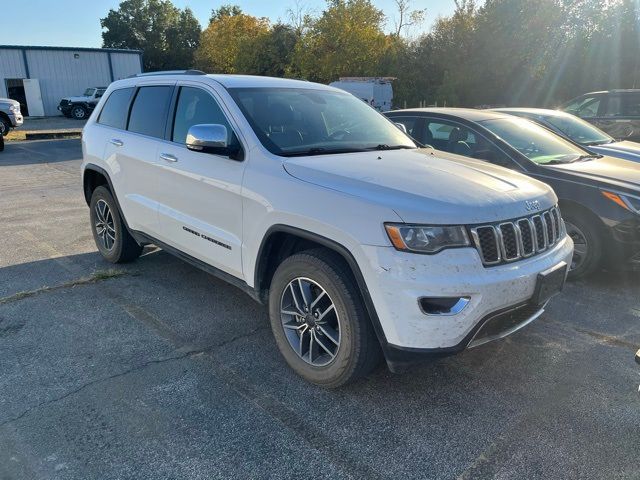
(375, 91)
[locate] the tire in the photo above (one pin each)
(1, 143)
(113, 240)
(5, 126)
(78, 112)
(357, 351)
(587, 245)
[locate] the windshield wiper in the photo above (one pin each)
(384, 146)
(582, 158)
(319, 151)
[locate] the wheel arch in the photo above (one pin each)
(281, 241)
(93, 177)
(576, 208)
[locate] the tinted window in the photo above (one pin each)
(589, 109)
(578, 130)
(632, 105)
(149, 111)
(412, 126)
(114, 112)
(304, 121)
(614, 107)
(195, 106)
(533, 141)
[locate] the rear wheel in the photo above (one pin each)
(79, 112)
(112, 238)
(5, 126)
(587, 249)
(319, 321)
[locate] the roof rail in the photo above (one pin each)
(168, 72)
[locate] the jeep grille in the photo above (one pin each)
(517, 239)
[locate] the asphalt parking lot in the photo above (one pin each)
(158, 370)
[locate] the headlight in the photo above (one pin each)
(627, 202)
(14, 108)
(425, 238)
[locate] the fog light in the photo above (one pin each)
(442, 305)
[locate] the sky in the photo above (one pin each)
(76, 23)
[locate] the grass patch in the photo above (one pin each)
(16, 136)
(96, 276)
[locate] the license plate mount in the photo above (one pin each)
(550, 283)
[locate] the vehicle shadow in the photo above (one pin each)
(32, 152)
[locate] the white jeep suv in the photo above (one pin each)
(312, 202)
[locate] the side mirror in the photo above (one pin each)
(212, 138)
(205, 137)
(402, 127)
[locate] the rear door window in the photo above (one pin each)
(149, 110)
(115, 110)
(614, 106)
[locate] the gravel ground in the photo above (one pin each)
(158, 370)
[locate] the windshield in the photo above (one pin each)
(578, 130)
(302, 121)
(88, 92)
(533, 141)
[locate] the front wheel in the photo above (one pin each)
(79, 112)
(319, 321)
(587, 246)
(112, 238)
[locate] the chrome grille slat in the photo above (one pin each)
(517, 239)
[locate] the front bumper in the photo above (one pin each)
(396, 280)
(65, 109)
(16, 120)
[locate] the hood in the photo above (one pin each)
(614, 172)
(8, 101)
(425, 186)
(626, 150)
(77, 99)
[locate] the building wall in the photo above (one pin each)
(125, 65)
(62, 75)
(11, 66)
(65, 73)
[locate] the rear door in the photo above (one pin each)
(131, 152)
(200, 193)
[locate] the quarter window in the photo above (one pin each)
(149, 111)
(114, 112)
(194, 107)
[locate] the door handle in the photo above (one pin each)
(116, 142)
(167, 157)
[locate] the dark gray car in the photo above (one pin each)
(617, 112)
(599, 196)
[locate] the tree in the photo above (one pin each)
(346, 40)
(226, 37)
(167, 35)
(270, 53)
(407, 17)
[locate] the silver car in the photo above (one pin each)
(10, 115)
(579, 131)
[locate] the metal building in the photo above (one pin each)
(38, 77)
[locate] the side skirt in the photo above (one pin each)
(143, 239)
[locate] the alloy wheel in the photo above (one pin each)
(580, 245)
(310, 321)
(105, 228)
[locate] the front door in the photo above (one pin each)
(200, 193)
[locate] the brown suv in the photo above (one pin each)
(617, 112)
